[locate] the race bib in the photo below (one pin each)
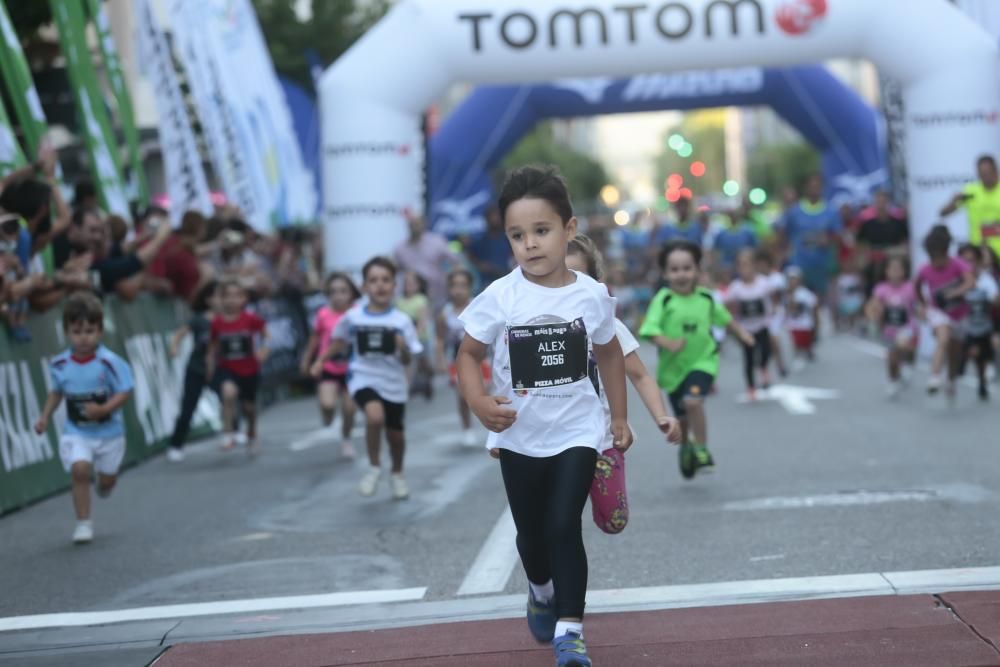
(755, 308)
(896, 316)
(799, 308)
(236, 346)
(375, 341)
(76, 412)
(547, 355)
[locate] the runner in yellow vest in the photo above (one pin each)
(982, 202)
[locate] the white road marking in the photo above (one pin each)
(757, 559)
(495, 561)
(963, 493)
(796, 400)
(75, 619)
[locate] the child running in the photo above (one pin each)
(800, 317)
(332, 387)
(892, 307)
(545, 418)
(96, 383)
(608, 497)
(978, 344)
(679, 322)
(450, 334)
(234, 360)
(941, 286)
(750, 297)
(417, 305)
(778, 284)
(199, 326)
(382, 341)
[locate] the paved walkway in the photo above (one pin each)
(911, 631)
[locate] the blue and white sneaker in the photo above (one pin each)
(541, 619)
(571, 651)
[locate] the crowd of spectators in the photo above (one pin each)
(49, 248)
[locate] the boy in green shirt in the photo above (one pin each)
(679, 322)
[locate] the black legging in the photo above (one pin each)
(756, 356)
(194, 382)
(546, 497)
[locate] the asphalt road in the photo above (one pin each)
(860, 485)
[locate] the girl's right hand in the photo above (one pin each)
(490, 411)
(317, 370)
(495, 452)
(42, 425)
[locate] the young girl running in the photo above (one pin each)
(800, 317)
(608, 497)
(978, 344)
(749, 296)
(450, 334)
(679, 322)
(545, 417)
(417, 305)
(382, 341)
(332, 387)
(892, 307)
(204, 308)
(941, 286)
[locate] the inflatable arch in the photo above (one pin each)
(487, 125)
(372, 97)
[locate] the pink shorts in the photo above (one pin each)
(608, 498)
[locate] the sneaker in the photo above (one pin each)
(686, 460)
(400, 491)
(893, 389)
(228, 443)
(347, 450)
(240, 438)
(934, 384)
(370, 480)
(83, 533)
(469, 438)
(703, 459)
(571, 651)
(541, 619)
(175, 454)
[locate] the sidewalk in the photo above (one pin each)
(911, 631)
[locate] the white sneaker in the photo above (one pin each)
(83, 533)
(400, 491)
(346, 450)
(469, 438)
(240, 438)
(175, 454)
(934, 384)
(369, 481)
(893, 389)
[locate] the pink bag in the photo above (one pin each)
(608, 498)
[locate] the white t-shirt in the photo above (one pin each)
(980, 299)
(753, 302)
(629, 345)
(547, 378)
(374, 362)
(799, 310)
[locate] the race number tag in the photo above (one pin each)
(896, 316)
(236, 346)
(547, 355)
(754, 308)
(374, 341)
(75, 411)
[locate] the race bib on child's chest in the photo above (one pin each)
(896, 316)
(75, 407)
(375, 341)
(236, 346)
(547, 355)
(753, 308)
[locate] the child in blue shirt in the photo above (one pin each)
(96, 383)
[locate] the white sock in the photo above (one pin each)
(563, 627)
(543, 592)
(84, 522)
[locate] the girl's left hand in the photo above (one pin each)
(671, 428)
(621, 434)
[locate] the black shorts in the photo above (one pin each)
(246, 384)
(984, 345)
(697, 383)
(394, 412)
(339, 378)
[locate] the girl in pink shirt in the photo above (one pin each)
(332, 387)
(940, 288)
(892, 307)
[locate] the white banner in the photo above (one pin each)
(243, 111)
(187, 186)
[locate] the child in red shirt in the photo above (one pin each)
(234, 363)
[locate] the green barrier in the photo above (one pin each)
(140, 331)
